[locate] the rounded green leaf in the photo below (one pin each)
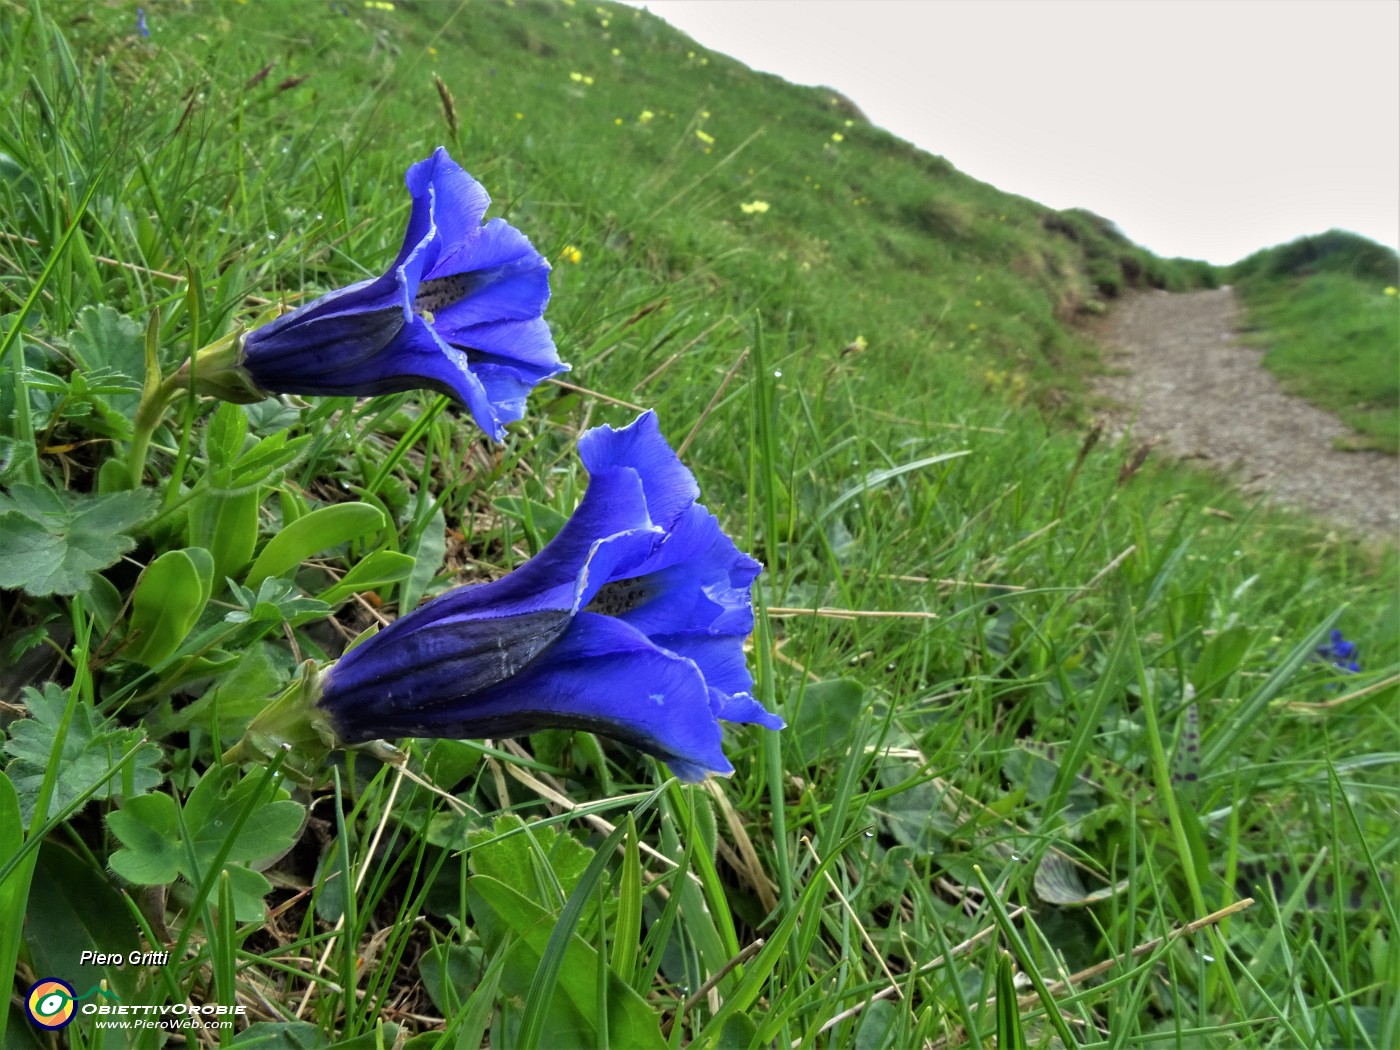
(320, 530)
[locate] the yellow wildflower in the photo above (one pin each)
(645, 116)
(617, 51)
(836, 136)
(520, 116)
(972, 327)
(588, 81)
(704, 136)
(704, 114)
(432, 51)
(617, 121)
(379, 5)
(570, 254)
(1392, 290)
(754, 207)
(575, 77)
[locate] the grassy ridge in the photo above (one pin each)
(1326, 312)
(1087, 690)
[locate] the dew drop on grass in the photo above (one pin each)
(777, 373)
(870, 834)
(889, 668)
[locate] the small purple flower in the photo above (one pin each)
(1340, 652)
(629, 623)
(141, 27)
(460, 311)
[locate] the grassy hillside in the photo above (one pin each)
(1326, 312)
(1053, 712)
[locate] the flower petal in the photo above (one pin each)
(670, 487)
(506, 279)
(454, 202)
(429, 666)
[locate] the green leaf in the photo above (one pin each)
(167, 602)
(14, 890)
(154, 851)
(73, 907)
(378, 570)
(318, 531)
(281, 1035)
(826, 716)
(91, 750)
(107, 341)
(505, 851)
(450, 973)
(277, 601)
(226, 526)
(214, 805)
(631, 1022)
(428, 556)
(223, 437)
(52, 543)
(540, 522)
(149, 828)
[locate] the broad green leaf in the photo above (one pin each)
(149, 830)
(52, 543)
(506, 856)
(226, 526)
(575, 1008)
(154, 851)
(378, 570)
(428, 556)
(73, 907)
(167, 602)
(450, 973)
(214, 805)
(318, 531)
(825, 717)
(14, 890)
(91, 750)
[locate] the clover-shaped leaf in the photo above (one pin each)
(161, 843)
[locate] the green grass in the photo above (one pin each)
(1326, 313)
(1084, 717)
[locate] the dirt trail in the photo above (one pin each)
(1190, 383)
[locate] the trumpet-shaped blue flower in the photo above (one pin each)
(629, 623)
(460, 311)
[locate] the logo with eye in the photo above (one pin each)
(50, 1003)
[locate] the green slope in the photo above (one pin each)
(1053, 677)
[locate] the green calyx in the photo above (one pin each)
(217, 371)
(292, 724)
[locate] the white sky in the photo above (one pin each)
(1203, 129)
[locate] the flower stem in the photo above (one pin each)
(149, 414)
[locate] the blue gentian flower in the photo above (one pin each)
(630, 623)
(141, 27)
(1341, 653)
(460, 311)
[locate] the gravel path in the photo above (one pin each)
(1187, 381)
